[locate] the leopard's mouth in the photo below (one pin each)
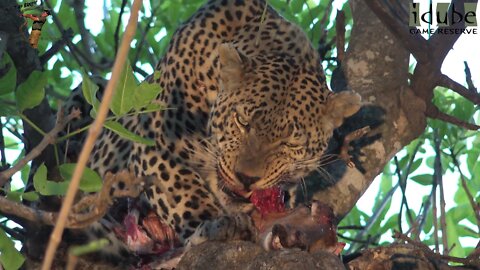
(226, 184)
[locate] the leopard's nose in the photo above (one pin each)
(246, 180)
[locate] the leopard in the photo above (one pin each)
(246, 108)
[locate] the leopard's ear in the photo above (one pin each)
(233, 65)
(342, 105)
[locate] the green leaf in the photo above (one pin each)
(423, 179)
(11, 143)
(145, 93)
(90, 181)
(46, 187)
(89, 89)
(31, 92)
(7, 109)
(415, 165)
(9, 80)
(125, 133)
(297, 6)
(30, 196)
(89, 248)
(10, 258)
(453, 237)
(123, 98)
(15, 196)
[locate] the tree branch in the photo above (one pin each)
(468, 261)
(447, 82)
(89, 209)
(441, 43)
(416, 44)
(435, 113)
(468, 76)
(67, 36)
(119, 22)
(475, 205)
(48, 139)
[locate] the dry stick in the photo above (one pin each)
(10, 207)
(88, 210)
(49, 138)
(93, 133)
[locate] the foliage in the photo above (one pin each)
(159, 19)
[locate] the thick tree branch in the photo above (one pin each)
(442, 43)
(416, 44)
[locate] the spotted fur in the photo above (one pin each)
(248, 108)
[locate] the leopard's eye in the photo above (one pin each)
(240, 121)
(294, 146)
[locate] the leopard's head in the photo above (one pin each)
(272, 119)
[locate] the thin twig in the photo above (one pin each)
(422, 217)
(143, 38)
(77, 53)
(14, 232)
(468, 76)
(48, 139)
(471, 260)
(403, 185)
(439, 181)
(376, 214)
(86, 37)
(435, 113)
(93, 133)
(67, 36)
(88, 210)
(119, 22)
(475, 205)
(402, 180)
(3, 158)
(447, 82)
